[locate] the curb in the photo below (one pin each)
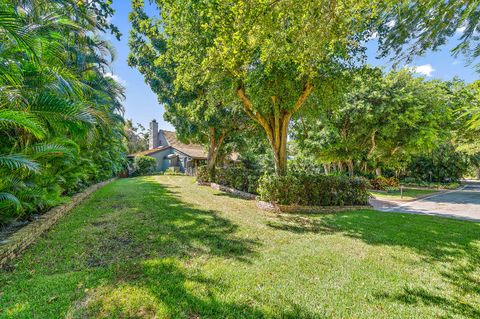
(25, 236)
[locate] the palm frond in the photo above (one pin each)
(17, 161)
(23, 120)
(10, 198)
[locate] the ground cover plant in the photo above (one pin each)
(183, 251)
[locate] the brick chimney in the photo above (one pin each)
(153, 134)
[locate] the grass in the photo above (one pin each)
(408, 194)
(163, 247)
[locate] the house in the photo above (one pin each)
(171, 153)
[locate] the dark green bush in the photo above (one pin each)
(384, 183)
(202, 174)
(300, 188)
(240, 178)
(144, 164)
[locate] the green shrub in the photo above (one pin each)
(382, 183)
(302, 188)
(202, 174)
(173, 171)
(144, 164)
(240, 178)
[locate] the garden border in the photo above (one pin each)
(25, 236)
(290, 209)
(299, 209)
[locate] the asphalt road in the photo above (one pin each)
(461, 204)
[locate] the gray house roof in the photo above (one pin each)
(195, 151)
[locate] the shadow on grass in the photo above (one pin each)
(158, 224)
(452, 246)
(140, 258)
(164, 288)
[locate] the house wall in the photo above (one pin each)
(182, 160)
(162, 162)
(161, 139)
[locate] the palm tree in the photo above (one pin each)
(60, 114)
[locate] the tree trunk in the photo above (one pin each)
(213, 148)
(275, 124)
(340, 166)
(326, 168)
(350, 166)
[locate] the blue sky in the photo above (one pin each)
(141, 103)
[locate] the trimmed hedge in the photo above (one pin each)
(313, 190)
(143, 165)
(240, 178)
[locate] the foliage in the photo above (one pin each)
(380, 121)
(384, 183)
(137, 137)
(202, 174)
(206, 113)
(275, 56)
(301, 188)
(240, 178)
(173, 171)
(143, 165)
(60, 123)
(443, 164)
(408, 33)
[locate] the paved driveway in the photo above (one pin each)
(461, 204)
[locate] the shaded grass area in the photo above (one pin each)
(163, 247)
(408, 194)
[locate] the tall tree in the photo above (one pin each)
(274, 52)
(203, 112)
(381, 121)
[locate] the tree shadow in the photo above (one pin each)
(165, 288)
(162, 281)
(142, 237)
(164, 226)
(300, 224)
(452, 246)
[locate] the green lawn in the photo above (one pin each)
(163, 247)
(408, 194)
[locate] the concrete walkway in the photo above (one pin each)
(461, 204)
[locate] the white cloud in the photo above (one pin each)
(391, 23)
(425, 69)
(116, 78)
(455, 62)
(373, 36)
(461, 30)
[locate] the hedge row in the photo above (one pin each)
(313, 190)
(384, 183)
(239, 178)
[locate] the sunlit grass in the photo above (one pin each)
(163, 247)
(406, 194)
